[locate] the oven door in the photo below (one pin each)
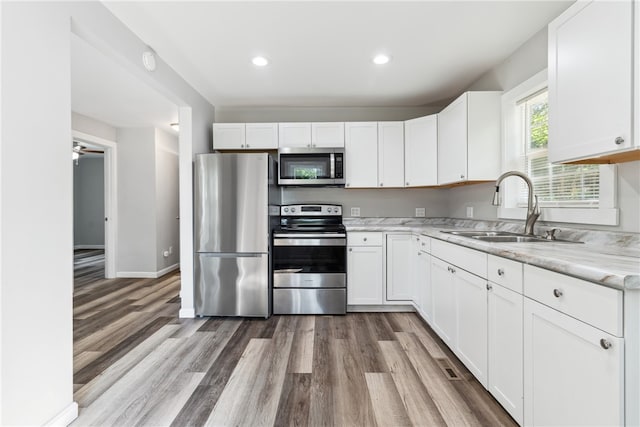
(310, 260)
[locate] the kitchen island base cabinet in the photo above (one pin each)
(573, 372)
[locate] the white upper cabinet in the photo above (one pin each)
(361, 154)
(228, 136)
(391, 154)
(245, 136)
(469, 138)
(294, 134)
(591, 75)
(421, 151)
(329, 134)
(261, 136)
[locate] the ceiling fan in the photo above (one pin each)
(81, 150)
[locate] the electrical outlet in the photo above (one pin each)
(355, 211)
(420, 212)
(165, 254)
(469, 211)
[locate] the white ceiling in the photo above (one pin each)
(104, 90)
(320, 52)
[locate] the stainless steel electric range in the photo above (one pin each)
(310, 260)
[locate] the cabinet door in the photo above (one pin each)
(444, 301)
(452, 142)
(261, 136)
(572, 371)
(590, 47)
(294, 134)
(228, 136)
(415, 276)
(399, 267)
(364, 275)
(424, 286)
(505, 349)
(330, 135)
(361, 154)
(471, 322)
(391, 154)
(421, 151)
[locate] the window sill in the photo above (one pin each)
(569, 215)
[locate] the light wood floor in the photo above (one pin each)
(136, 363)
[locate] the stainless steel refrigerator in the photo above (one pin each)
(236, 207)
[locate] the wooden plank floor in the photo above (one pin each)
(136, 363)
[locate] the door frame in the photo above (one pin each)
(110, 197)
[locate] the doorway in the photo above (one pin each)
(88, 227)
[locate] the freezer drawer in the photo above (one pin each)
(310, 301)
(232, 285)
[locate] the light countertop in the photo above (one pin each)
(609, 259)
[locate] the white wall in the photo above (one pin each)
(91, 126)
(321, 114)
(526, 61)
(136, 202)
(167, 200)
(36, 121)
(37, 208)
(88, 201)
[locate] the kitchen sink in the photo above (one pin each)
(504, 237)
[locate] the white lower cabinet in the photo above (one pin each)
(471, 322)
(573, 372)
(444, 301)
(365, 272)
(399, 286)
(505, 348)
(421, 265)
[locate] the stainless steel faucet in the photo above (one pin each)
(533, 211)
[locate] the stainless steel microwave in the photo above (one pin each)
(311, 166)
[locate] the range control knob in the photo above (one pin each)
(293, 209)
(286, 209)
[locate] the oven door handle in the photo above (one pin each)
(309, 242)
(309, 235)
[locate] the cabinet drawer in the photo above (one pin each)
(468, 259)
(596, 305)
(505, 272)
(364, 238)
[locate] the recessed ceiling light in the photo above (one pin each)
(381, 59)
(260, 61)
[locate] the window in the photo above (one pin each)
(567, 193)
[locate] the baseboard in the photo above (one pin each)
(380, 308)
(168, 269)
(187, 313)
(146, 274)
(65, 417)
(76, 247)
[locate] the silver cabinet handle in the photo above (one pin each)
(462, 176)
(381, 184)
(557, 293)
(451, 270)
(241, 145)
(606, 344)
(407, 183)
(247, 145)
(489, 286)
(500, 272)
(364, 239)
(350, 249)
(619, 140)
(347, 184)
(419, 253)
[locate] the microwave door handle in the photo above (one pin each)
(332, 163)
